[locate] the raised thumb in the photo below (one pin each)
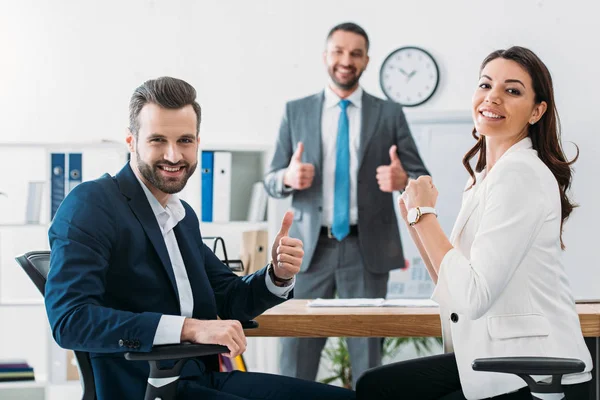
(394, 155)
(298, 153)
(286, 223)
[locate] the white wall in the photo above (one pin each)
(67, 68)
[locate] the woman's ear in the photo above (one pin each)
(538, 112)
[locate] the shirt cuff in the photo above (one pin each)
(283, 189)
(279, 291)
(169, 330)
(287, 190)
(441, 293)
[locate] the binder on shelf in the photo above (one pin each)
(35, 193)
(75, 164)
(57, 181)
(258, 203)
(222, 186)
(207, 186)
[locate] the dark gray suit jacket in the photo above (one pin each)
(383, 125)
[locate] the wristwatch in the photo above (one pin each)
(415, 214)
(276, 280)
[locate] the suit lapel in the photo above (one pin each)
(369, 118)
(138, 202)
(469, 205)
(312, 141)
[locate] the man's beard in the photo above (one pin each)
(165, 185)
(345, 86)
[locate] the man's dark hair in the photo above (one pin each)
(350, 27)
(166, 92)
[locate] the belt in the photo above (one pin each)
(326, 231)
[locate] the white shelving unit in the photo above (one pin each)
(24, 328)
(40, 389)
(249, 163)
(27, 336)
(20, 390)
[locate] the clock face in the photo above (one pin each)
(409, 76)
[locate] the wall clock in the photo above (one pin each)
(409, 76)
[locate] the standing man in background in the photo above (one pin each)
(340, 154)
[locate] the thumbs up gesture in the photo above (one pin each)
(392, 177)
(287, 252)
(299, 175)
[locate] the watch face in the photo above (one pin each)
(409, 76)
(411, 216)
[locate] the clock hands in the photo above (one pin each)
(408, 75)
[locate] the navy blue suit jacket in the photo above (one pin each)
(111, 280)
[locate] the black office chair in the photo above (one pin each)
(36, 265)
(524, 367)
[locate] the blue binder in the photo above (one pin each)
(75, 164)
(208, 159)
(57, 181)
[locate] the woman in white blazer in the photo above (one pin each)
(500, 284)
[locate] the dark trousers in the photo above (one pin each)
(433, 378)
(256, 386)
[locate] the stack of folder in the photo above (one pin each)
(15, 370)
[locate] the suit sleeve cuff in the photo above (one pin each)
(441, 293)
(279, 291)
(169, 330)
(282, 188)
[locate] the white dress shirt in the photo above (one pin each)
(329, 132)
(170, 326)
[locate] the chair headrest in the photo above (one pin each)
(36, 265)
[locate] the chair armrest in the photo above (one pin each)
(177, 352)
(529, 365)
(184, 350)
(252, 324)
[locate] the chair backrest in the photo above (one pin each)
(36, 265)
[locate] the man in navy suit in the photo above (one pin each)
(129, 269)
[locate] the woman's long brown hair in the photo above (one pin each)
(545, 134)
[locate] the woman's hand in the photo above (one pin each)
(403, 209)
(419, 193)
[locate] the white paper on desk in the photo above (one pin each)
(409, 303)
(345, 303)
(587, 301)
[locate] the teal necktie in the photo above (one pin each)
(341, 197)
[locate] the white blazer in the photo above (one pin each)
(502, 289)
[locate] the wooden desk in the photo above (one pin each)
(294, 319)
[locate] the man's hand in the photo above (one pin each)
(287, 252)
(299, 175)
(392, 177)
(226, 333)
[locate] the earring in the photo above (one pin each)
(531, 122)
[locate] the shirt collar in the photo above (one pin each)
(174, 207)
(332, 99)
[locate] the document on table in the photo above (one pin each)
(372, 303)
(587, 301)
